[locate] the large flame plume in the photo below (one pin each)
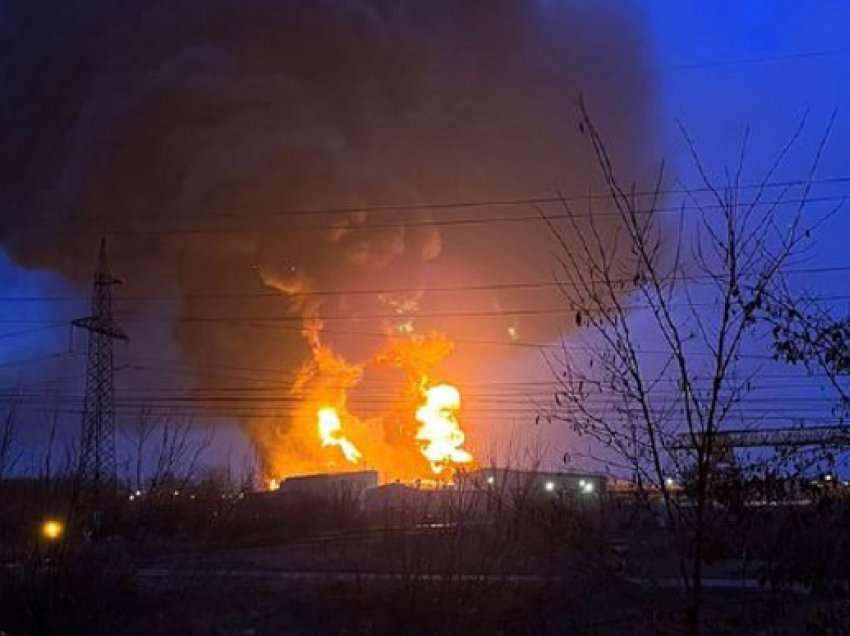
(440, 434)
(322, 434)
(416, 435)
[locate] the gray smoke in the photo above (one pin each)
(150, 121)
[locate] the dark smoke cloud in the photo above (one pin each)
(138, 118)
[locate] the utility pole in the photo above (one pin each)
(97, 438)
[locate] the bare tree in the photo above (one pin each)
(138, 435)
(663, 323)
(9, 455)
(175, 458)
(249, 475)
(46, 467)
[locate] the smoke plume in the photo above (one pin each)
(191, 133)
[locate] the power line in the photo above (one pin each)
(469, 401)
(744, 403)
(279, 379)
(280, 325)
(781, 57)
(373, 386)
(536, 201)
(484, 313)
(16, 363)
(376, 291)
(473, 418)
(514, 202)
(278, 371)
(26, 332)
(494, 392)
(469, 388)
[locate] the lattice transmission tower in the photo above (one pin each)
(97, 438)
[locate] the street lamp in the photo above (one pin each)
(52, 530)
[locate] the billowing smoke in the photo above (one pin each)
(190, 133)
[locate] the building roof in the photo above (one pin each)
(365, 474)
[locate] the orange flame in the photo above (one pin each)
(438, 436)
(414, 433)
(440, 430)
(330, 432)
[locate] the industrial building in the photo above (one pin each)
(474, 495)
(329, 486)
(403, 503)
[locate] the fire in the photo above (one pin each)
(415, 434)
(409, 430)
(434, 430)
(330, 433)
(440, 433)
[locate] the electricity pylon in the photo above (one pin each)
(97, 437)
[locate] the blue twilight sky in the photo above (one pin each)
(720, 66)
(723, 66)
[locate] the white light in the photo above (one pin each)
(669, 482)
(491, 480)
(581, 482)
(132, 497)
(550, 486)
(828, 477)
(587, 488)
(176, 493)
(138, 493)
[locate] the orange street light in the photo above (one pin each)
(52, 530)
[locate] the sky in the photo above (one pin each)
(713, 67)
(726, 66)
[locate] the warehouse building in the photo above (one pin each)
(329, 486)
